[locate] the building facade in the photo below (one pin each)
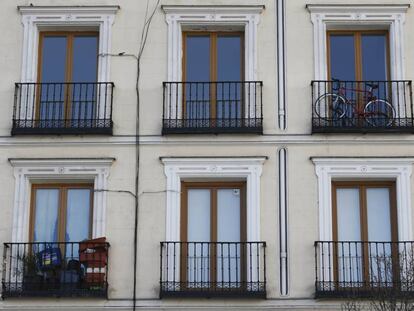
(158, 154)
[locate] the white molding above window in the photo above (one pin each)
(36, 18)
(328, 17)
(178, 169)
(181, 16)
(27, 171)
(398, 169)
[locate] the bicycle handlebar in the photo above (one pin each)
(335, 88)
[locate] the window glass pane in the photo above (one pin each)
(229, 58)
(229, 66)
(197, 58)
(46, 215)
(228, 230)
(77, 219)
(348, 214)
(379, 218)
(374, 57)
(349, 254)
(84, 69)
(78, 215)
(197, 95)
(379, 230)
(342, 57)
(198, 259)
(53, 59)
(228, 215)
(198, 215)
(85, 58)
(53, 69)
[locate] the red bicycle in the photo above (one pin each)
(336, 106)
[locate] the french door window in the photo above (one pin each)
(67, 75)
(61, 213)
(364, 229)
(212, 230)
(358, 55)
(360, 60)
(213, 74)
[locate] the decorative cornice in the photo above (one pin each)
(357, 8)
(43, 162)
(213, 160)
(36, 10)
(213, 9)
(340, 161)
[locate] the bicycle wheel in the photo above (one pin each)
(330, 106)
(379, 113)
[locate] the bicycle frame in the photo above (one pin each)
(357, 109)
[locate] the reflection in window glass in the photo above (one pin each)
(374, 57)
(54, 59)
(53, 70)
(229, 95)
(197, 58)
(197, 96)
(342, 56)
(85, 59)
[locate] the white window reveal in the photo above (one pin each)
(395, 169)
(337, 17)
(50, 18)
(38, 20)
(180, 19)
(30, 171)
(247, 169)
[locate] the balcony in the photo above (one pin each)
(63, 108)
(362, 107)
(364, 269)
(71, 269)
(213, 269)
(212, 107)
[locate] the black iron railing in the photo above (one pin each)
(212, 107)
(364, 269)
(55, 269)
(362, 106)
(63, 108)
(213, 269)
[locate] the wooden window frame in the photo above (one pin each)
(213, 187)
(70, 35)
(213, 36)
(357, 34)
(62, 212)
(362, 187)
(360, 99)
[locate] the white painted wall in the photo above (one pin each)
(302, 196)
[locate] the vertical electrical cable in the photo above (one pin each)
(144, 36)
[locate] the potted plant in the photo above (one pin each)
(32, 279)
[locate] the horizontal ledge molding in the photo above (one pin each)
(217, 9)
(189, 161)
(225, 140)
(357, 158)
(213, 157)
(22, 162)
(102, 9)
(368, 8)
